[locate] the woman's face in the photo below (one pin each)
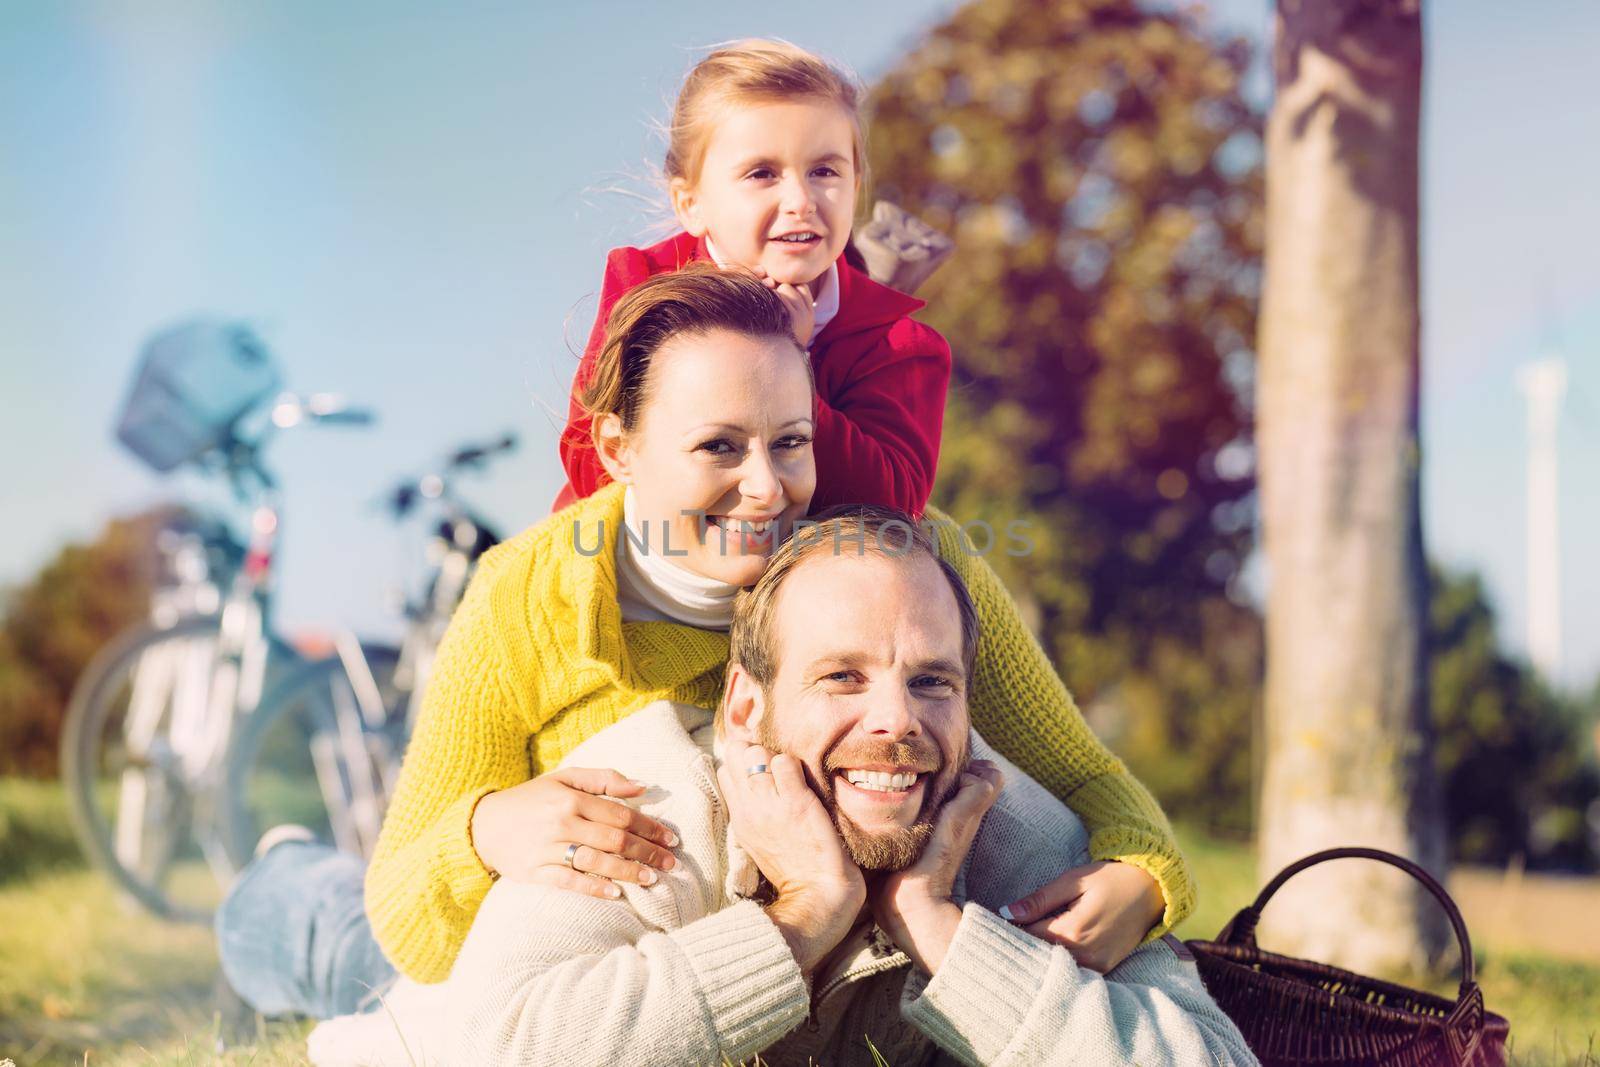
(720, 457)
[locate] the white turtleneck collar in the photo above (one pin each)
(651, 588)
(824, 295)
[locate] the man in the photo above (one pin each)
(840, 859)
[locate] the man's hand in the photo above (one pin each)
(783, 825)
(913, 906)
(1110, 907)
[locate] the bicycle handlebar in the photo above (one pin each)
(404, 497)
(475, 455)
(291, 410)
(238, 457)
(349, 417)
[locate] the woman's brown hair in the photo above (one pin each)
(695, 299)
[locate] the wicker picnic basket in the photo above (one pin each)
(1298, 1012)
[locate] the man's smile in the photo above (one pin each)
(880, 792)
(882, 781)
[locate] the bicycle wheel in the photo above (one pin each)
(311, 755)
(134, 760)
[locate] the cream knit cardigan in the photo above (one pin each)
(688, 971)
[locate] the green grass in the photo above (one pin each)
(34, 835)
(85, 974)
(1225, 874)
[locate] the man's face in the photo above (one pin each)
(870, 696)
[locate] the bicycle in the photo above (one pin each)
(151, 721)
(371, 721)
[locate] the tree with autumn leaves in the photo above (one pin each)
(1099, 170)
(1107, 187)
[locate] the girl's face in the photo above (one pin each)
(777, 188)
(720, 458)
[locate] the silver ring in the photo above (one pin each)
(572, 851)
(755, 769)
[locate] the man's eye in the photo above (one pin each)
(841, 677)
(932, 681)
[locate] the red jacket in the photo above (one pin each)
(881, 382)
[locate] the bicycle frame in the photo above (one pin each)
(458, 540)
(188, 697)
(353, 793)
(207, 684)
(197, 702)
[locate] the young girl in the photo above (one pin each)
(765, 166)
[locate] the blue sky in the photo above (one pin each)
(412, 202)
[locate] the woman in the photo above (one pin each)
(703, 415)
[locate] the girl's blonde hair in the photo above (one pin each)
(695, 299)
(753, 71)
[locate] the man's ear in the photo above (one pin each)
(743, 705)
(611, 445)
(686, 205)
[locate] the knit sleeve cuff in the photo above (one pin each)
(469, 879)
(751, 983)
(1126, 824)
(421, 899)
(984, 991)
(1156, 858)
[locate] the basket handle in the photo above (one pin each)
(1242, 929)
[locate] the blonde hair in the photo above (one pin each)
(753, 71)
(696, 299)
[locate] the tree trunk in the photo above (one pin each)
(1348, 742)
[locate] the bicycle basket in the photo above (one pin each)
(194, 382)
(1294, 1011)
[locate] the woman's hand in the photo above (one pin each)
(913, 906)
(783, 825)
(799, 302)
(1110, 907)
(523, 833)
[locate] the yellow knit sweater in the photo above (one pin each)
(537, 658)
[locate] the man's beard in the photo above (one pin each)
(896, 848)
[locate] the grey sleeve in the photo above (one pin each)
(1003, 997)
(549, 976)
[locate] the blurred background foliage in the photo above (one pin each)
(1516, 761)
(51, 627)
(1100, 170)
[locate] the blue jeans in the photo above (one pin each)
(293, 935)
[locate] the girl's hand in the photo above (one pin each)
(523, 833)
(799, 302)
(1110, 907)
